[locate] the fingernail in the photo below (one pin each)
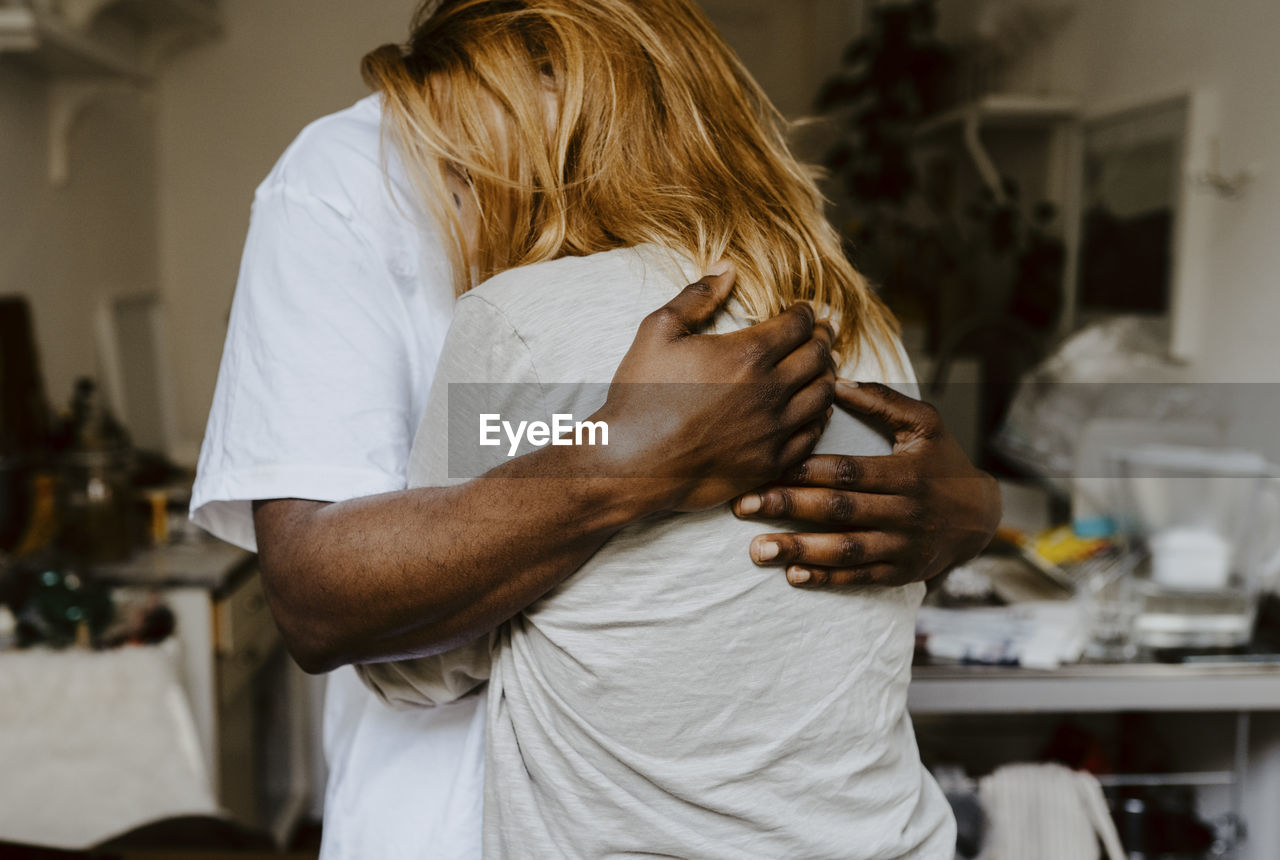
(846, 383)
(766, 551)
(798, 575)
(748, 505)
(718, 268)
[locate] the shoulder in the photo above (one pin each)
(573, 317)
(606, 279)
(338, 194)
(340, 160)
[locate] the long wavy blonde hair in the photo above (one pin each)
(586, 125)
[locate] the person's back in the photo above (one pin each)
(671, 698)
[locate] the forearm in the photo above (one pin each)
(421, 571)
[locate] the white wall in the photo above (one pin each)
(1122, 52)
(790, 48)
(67, 248)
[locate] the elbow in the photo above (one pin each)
(310, 639)
(312, 660)
(310, 609)
(306, 642)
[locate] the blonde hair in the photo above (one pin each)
(586, 125)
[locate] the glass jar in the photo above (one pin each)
(95, 488)
(96, 521)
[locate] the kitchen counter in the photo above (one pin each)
(212, 565)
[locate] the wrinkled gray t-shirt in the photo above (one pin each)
(670, 698)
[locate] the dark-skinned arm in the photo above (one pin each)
(904, 517)
(421, 571)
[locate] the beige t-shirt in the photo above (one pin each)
(670, 698)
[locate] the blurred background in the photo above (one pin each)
(1069, 205)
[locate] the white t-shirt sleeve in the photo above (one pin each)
(314, 397)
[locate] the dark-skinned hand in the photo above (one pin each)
(894, 519)
(712, 415)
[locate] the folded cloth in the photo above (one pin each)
(431, 681)
(1048, 812)
(1036, 635)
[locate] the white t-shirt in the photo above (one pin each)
(340, 312)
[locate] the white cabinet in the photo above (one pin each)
(252, 706)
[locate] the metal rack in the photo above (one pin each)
(1202, 687)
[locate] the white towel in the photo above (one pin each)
(1048, 812)
(94, 744)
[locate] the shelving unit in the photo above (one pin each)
(54, 47)
(1241, 689)
(1048, 125)
(1056, 115)
(1006, 110)
(88, 49)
